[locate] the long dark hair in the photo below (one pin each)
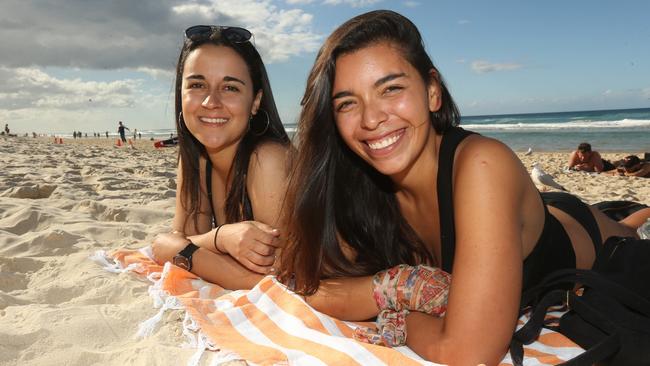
(190, 148)
(333, 194)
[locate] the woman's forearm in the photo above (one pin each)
(427, 338)
(345, 298)
(223, 270)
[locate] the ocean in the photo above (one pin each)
(606, 130)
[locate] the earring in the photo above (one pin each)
(268, 122)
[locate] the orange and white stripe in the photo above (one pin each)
(270, 325)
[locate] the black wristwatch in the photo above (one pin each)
(184, 258)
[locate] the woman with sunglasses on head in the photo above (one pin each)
(385, 177)
(231, 164)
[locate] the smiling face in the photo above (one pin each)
(217, 96)
(381, 106)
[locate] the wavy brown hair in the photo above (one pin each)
(333, 194)
(190, 149)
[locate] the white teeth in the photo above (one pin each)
(384, 142)
(213, 120)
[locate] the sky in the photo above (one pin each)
(83, 65)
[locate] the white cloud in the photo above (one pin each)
(279, 33)
(411, 4)
(352, 3)
(32, 88)
(111, 35)
(299, 2)
(463, 21)
(607, 92)
(482, 66)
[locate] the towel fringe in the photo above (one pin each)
(161, 299)
(110, 264)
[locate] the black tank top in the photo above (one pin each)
(553, 249)
(245, 201)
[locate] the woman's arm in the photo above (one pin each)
(345, 298)
(489, 187)
(206, 263)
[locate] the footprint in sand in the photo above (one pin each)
(30, 192)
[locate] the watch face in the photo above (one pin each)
(182, 262)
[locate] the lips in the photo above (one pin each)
(386, 141)
(213, 120)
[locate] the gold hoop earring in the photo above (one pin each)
(266, 128)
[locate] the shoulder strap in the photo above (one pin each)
(208, 186)
(450, 141)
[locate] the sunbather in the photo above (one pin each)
(232, 161)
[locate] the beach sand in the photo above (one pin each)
(59, 203)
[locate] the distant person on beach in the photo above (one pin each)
(120, 129)
(7, 129)
(385, 181)
(106, 134)
(232, 166)
(632, 166)
(586, 160)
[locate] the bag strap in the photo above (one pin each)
(531, 330)
(591, 279)
(603, 349)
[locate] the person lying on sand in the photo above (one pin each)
(632, 166)
(586, 160)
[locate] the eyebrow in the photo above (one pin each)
(225, 78)
(379, 82)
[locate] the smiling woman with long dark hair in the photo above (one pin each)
(232, 161)
(385, 177)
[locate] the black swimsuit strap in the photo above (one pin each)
(208, 185)
(450, 141)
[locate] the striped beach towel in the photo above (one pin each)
(270, 325)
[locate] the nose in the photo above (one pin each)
(211, 100)
(373, 115)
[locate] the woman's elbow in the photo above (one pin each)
(456, 352)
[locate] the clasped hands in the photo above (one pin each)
(253, 244)
(398, 291)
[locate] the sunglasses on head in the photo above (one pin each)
(232, 34)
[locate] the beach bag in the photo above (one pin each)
(608, 165)
(618, 210)
(610, 319)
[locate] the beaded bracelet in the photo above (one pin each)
(216, 232)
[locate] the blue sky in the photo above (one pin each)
(85, 64)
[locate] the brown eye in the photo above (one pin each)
(392, 89)
(231, 88)
(343, 106)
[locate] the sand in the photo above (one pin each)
(60, 203)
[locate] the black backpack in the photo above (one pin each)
(610, 320)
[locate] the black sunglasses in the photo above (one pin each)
(233, 34)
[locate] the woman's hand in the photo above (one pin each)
(251, 243)
(166, 246)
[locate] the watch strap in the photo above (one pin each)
(187, 253)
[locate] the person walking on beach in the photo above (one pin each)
(120, 129)
(586, 160)
(7, 129)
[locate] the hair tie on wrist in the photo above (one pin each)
(216, 232)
